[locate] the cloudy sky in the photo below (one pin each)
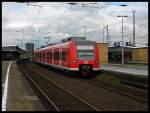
(32, 21)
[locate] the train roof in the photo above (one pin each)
(79, 42)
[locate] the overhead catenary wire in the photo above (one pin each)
(102, 26)
(37, 16)
(82, 18)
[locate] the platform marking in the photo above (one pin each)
(4, 99)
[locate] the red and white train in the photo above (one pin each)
(75, 54)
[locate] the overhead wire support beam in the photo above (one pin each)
(33, 5)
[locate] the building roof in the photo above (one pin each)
(128, 47)
(12, 48)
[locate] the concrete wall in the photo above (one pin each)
(140, 55)
(103, 52)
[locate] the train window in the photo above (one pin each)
(57, 55)
(54, 55)
(51, 55)
(40, 55)
(63, 55)
(86, 54)
(60, 55)
(46, 54)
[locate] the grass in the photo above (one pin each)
(110, 79)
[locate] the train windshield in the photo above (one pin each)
(85, 52)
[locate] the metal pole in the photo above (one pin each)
(133, 27)
(107, 34)
(85, 31)
(23, 33)
(122, 44)
(103, 34)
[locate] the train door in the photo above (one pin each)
(45, 56)
(64, 58)
(60, 57)
(48, 56)
(52, 56)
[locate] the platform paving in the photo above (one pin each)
(129, 69)
(4, 71)
(21, 96)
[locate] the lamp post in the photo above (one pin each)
(22, 35)
(107, 33)
(103, 34)
(122, 38)
(85, 30)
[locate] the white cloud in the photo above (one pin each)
(62, 19)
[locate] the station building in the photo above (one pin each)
(114, 54)
(131, 54)
(103, 52)
(140, 54)
(12, 52)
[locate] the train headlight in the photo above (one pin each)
(74, 61)
(97, 61)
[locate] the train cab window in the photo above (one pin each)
(86, 54)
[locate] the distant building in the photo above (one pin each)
(30, 49)
(30, 46)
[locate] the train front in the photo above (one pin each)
(87, 57)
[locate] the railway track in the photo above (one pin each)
(129, 92)
(121, 90)
(59, 98)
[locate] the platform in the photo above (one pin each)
(20, 95)
(128, 69)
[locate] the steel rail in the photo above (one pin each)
(51, 102)
(112, 89)
(117, 91)
(59, 86)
